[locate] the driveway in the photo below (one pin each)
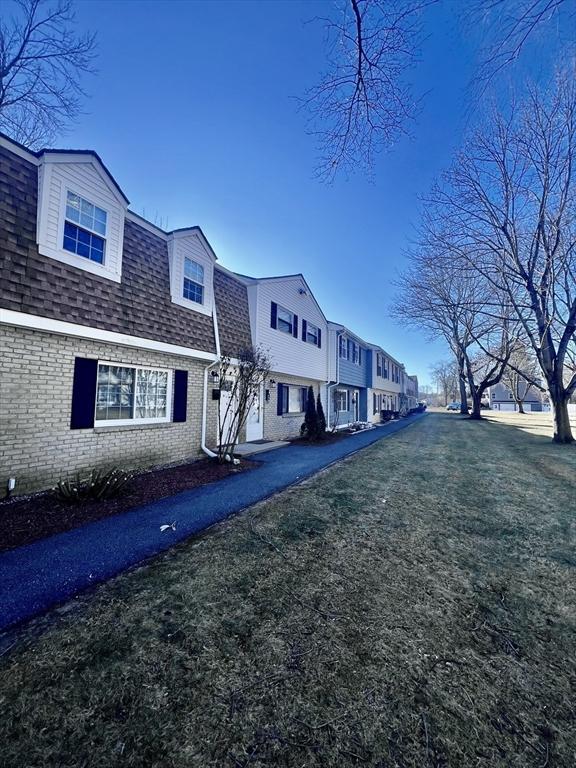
(45, 573)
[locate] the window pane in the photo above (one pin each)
(81, 211)
(193, 291)
(294, 400)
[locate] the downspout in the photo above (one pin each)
(335, 384)
(203, 445)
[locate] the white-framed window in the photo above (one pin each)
(355, 350)
(312, 334)
(385, 367)
(84, 228)
(285, 320)
(341, 400)
(193, 283)
(128, 394)
(343, 347)
(378, 364)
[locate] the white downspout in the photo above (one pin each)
(203, 445)
(335, 384)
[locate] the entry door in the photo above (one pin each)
(356, 399)
(227, 409)
(254, 421)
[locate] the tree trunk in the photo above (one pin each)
(476, 401)
(520, 407)
(562, 429)
(463, 395)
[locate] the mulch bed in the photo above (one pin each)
(29, 518)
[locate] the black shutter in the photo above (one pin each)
(319, 338)
(180, 395)
(84, 393)
(304, 329)
(295, 326)
(280, 403)
(304, 397)
(274, 315)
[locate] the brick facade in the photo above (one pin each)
(37, 445)
(288, 425)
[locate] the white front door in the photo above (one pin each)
(254, 421)
(227, 410)
(356, 399)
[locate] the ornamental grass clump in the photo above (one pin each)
(99, 485)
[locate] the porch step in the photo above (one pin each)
(247, 449)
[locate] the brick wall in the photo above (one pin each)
(37, 445)
(288, 425)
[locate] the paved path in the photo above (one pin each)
(38, 576)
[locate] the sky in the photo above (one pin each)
(194, 110)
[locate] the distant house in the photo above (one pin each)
(288, 324)
(501, 398)
(386, 383)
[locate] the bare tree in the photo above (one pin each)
(445, 376)
(438, 295)
(512, 25)
(241, 377)
(363, 102)
(507, 210)
(41, 63)
(522, 374)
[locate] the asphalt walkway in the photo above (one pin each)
(45, 573)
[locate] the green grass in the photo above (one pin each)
(414, 605)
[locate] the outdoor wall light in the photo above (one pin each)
(10, 485)
(215, 377)
(272, 384)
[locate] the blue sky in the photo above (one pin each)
(194, 111)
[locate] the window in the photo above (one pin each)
(84, 228)
(378, 364)
(312, 334)
(355, 353)
(341, 400)
(285, 321)
(193, 288)
(130, 394)
(291, 399)
(343, 347)
(385, 368)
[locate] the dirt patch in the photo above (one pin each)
(30, 518)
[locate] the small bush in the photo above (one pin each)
(98, 485)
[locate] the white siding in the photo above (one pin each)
(55, 179)
(289, 355)
(189, 244)
(379, 382)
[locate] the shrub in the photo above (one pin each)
(310, 426)
(321, 418)
(98, 485)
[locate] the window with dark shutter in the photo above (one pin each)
(273, 315)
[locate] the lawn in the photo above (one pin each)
(414, 605)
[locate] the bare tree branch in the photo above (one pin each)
(41, 64)
(363, 103)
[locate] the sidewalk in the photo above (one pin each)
(40, 575)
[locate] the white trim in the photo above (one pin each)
(136, 421)
(47, 324)
(18, 150)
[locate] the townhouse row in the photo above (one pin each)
(111, 330)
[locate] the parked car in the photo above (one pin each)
(453, 407)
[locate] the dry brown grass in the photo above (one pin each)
(412, 606)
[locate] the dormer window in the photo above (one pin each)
(84, 228)
(193, 288)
